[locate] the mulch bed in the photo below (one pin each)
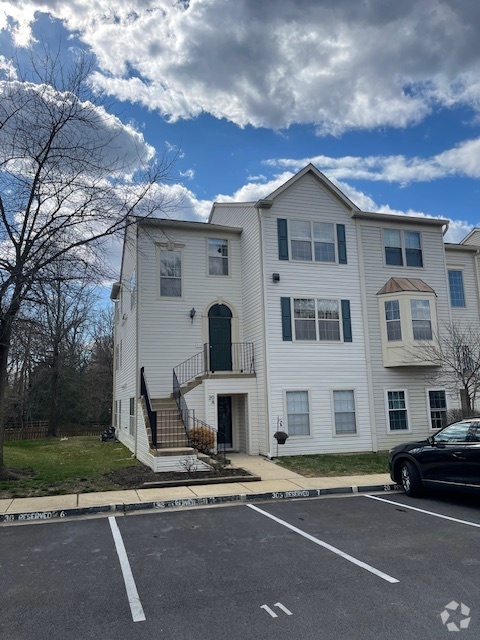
(136, 477)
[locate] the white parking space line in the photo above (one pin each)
(132, 593)
(429, 513)
(321, 543)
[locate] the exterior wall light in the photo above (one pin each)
(192, 313)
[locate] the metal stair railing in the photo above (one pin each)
(200, 435)
(239, 355)
(151, 414)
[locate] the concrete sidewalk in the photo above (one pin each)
(276, 483)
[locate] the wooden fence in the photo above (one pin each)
(38, 430)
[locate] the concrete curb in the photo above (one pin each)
(124, 508)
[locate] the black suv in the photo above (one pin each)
(449, 459)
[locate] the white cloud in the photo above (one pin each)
(337, 64)
(253, 191)
(189, 174)
(461, 161)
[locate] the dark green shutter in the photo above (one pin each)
(342, 244)
(346, 321)
(286, 319)
(282, 232)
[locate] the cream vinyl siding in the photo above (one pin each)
(246, 217)
(411, 379)
(167, 335)
(465, 262)
(316, 367)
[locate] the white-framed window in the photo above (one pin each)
(344, 411)
(170, 273)
(437, 408)
(397, 410)
(218, 257)
(131, 421)
(298, 413)
(408, 327)
(457, 291)
(402, 248)
(133, 289)
(313, 241)
(421, 319)
(392, 318)
(316, 319)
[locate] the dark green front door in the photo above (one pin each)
(224, 408)
(220, 338)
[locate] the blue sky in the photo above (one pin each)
(383, 97)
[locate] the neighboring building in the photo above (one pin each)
(297, 313)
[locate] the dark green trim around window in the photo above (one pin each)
(282, 231)
(346, 321)
(342, 244)
(286, 319)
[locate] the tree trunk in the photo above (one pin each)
(52, 421)
(5, 336)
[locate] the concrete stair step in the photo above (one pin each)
(173, 451)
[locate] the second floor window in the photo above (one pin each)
(402, 248)
(392, 317)
(217, 257)
(421, 319)
(316, 319)
(170, 273)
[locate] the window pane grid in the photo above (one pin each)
(217, 257)
(328, 320)
(397, 411)
(344, 408)
(324, 241)
(438, 408)
(298, 413)
(421, 324)
(170, 273)
(392, 316)
(313, 241)
(309, 314)
(402, 247)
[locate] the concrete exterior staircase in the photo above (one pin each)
(171, 436)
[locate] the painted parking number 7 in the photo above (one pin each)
(280, 606)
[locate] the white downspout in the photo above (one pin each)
(366, 333)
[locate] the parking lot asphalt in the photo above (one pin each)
(335, 568)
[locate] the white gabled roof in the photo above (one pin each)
(267, 202)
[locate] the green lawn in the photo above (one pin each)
(337, 464)
(63, 466)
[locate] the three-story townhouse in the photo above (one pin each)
(297, 313)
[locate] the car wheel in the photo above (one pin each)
(411, 482)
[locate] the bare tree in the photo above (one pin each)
(71, 176)
(99, 370)
(65, 300)
(455, 356)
